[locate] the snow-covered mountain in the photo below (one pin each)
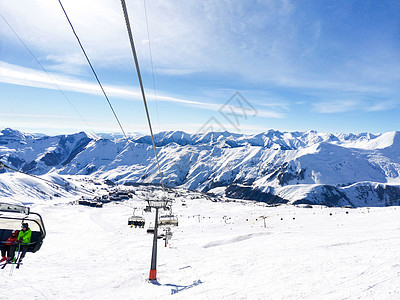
(274, 167)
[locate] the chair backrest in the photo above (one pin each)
(4, 235)
(36, 242)
(36, 239)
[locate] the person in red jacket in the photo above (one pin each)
(8, 250)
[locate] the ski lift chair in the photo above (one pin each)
(168, 220)
(136, 221)
(11, 218)
(150, 229)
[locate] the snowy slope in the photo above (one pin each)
(220, 250)
(274, 166)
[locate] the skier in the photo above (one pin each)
(24, 238)
(8, 250)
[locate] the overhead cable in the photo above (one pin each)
(97, 78)
(44, 70)
(151, 63)
(128, 27)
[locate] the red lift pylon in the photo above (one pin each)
(157, 205)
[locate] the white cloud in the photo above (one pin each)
(36, 116)
(340, 106)
(382, 105)
(336, 106)
(13, 74)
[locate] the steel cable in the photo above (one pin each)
(128, 27)
(98, 81)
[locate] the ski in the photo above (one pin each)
(5, 264)
(17, 260)
(18, 264)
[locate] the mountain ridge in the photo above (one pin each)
(274, 166)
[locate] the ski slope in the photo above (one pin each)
(219, 250)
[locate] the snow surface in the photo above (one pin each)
(220, 250)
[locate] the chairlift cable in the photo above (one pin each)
(151, 63)
(44, 70)
(152, 73)
(128, 27)
(98, 81)
(66, 187)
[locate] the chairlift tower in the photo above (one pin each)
(157, 204)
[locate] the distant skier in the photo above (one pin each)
(24, 238)
(8, 250)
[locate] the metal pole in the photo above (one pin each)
(153, 269)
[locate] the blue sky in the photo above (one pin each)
(331, 66)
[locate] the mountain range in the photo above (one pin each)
(274, 167)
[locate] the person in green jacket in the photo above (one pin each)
(24, 238)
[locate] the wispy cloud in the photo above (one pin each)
(18, 75)
(36, 116)
(336, 106)
(383, 105)
(341, 106)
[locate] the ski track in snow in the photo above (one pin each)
(235, 239)
(360, 242)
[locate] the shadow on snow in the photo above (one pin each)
(177, 288)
